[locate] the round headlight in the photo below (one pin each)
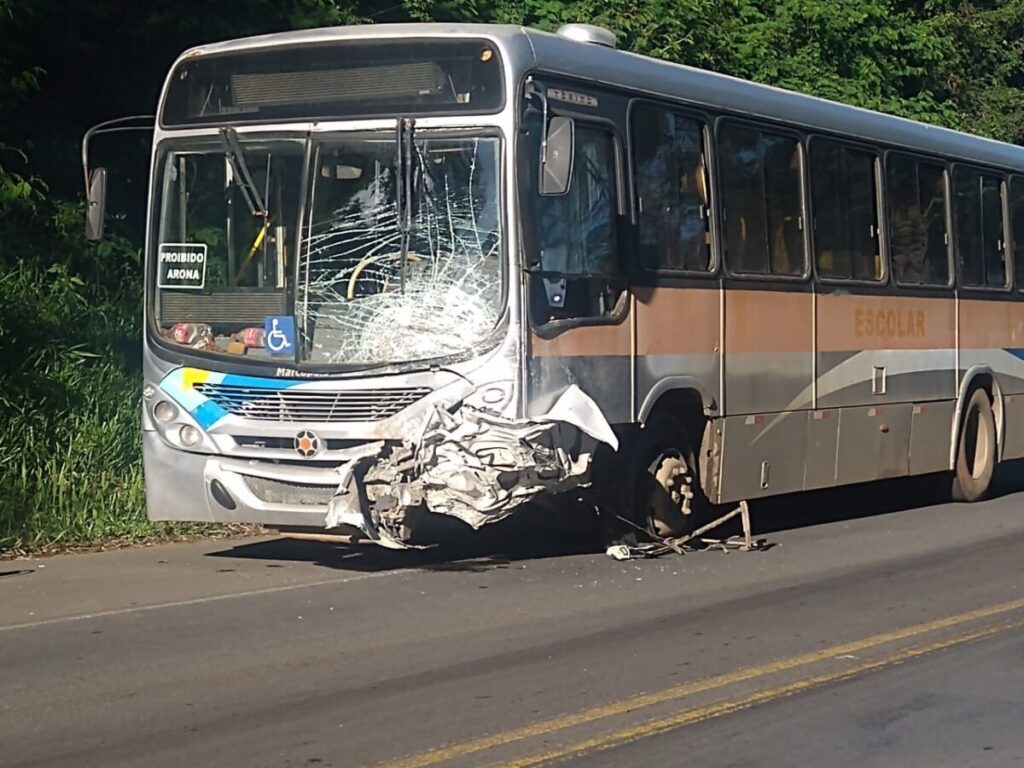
(188, 435)
(164, 412)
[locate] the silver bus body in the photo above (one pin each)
(796, 383)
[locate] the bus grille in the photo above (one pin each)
(304, 405)
(283, 492)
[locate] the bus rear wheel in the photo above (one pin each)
(976, 452)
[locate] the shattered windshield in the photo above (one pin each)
(226, 278)
(364, 298)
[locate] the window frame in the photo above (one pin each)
(882, 235)
(1014, 180)
(947, 184)
(601, 119)
(1008, 262)
(800, 140)
(710, 150)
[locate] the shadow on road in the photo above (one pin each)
(21, 572)
(521, 537)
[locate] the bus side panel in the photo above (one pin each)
(874, 442)
(763, 454)
(885, 349)
(769, 372)
(677, 340)
(597, 358)
(992, 334)
(878, 356)
(930, 433)
(1013, 433)
(769, 351)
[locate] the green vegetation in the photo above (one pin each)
(70, 311)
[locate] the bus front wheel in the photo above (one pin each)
(667, 496)
(976, 452)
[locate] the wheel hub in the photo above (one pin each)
(672, 479)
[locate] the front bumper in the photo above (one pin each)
(468, 463)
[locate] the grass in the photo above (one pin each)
(70, 388)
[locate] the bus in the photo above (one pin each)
(397, 273)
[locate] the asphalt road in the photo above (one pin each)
(867, 634)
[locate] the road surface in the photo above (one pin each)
(867, 634)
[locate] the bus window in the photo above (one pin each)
(978, 208)
(671, 183)
(845, 212)
(577, 229)
(1017, 222)
(917, 221)
(761, 204)
(577, 273)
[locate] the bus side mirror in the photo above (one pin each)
(556, 157)
(97, 204)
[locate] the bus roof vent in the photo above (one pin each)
(589, 33)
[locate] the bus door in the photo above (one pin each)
(578, 303)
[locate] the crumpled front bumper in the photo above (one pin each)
(469, 464)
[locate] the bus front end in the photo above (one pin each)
(334, 334)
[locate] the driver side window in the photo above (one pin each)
(577, 235)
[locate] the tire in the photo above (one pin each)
(665, 496)
(976, 450)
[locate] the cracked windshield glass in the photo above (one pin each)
(399, 261)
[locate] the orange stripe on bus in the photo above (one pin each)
(850, 323)
(991, 325)
(676, 321)
(585, 341)
(767, 322)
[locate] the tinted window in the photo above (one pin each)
(671, 184)
(978, 208)
(917, 222)
(845, 212)
(761, 204)
(1017, 222)
(577, 229)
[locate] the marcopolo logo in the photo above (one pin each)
(182, 265)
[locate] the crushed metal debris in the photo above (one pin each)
(469, 464)
(680, 545)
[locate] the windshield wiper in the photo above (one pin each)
(405, 141)
(249, 191)
(240, 173)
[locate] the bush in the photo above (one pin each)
(70, 468)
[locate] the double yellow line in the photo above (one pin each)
(659, 725)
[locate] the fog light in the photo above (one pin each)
(164, 412)
(188, 435)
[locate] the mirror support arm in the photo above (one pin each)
(96, 207)
(117, 125)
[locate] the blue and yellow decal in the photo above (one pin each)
(180, 385)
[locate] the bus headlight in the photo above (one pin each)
(188, 435)
(164, 412)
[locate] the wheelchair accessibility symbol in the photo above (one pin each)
(280, 335)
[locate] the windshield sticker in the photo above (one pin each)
(279, 334)
(182, 265)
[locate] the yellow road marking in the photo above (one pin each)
(692, 716)
(543, 727)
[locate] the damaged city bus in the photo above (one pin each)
(406, 271)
